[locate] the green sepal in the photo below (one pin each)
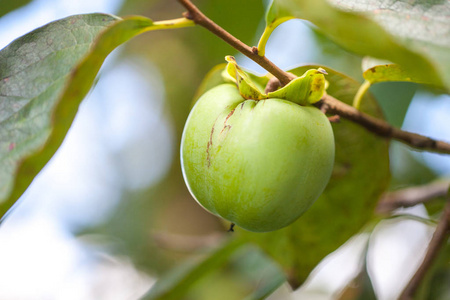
(247, 88)
(304, 90)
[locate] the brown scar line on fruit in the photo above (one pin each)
(208, 155)
(225, 125)
(231, 227)
(230, 114)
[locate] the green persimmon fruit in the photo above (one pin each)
(258, 164)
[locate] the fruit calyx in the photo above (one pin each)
(304, 90)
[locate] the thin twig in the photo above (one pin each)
(439, 238)
(412, 196)
(383, 128)
(337, 107)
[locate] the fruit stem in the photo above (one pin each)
(174, 23)
(360, 94)
(267, 32)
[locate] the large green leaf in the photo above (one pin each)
(416, 36)
(44, 76)
(360, 175)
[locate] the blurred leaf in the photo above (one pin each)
(407, 169)
(360, 175)
(267, 274)
(420, 45)
(394, 99)
(178, 282)
(213, 78)
(10, 5)
(248, 268)
(44, 76)
(332, 55)
(435, 285)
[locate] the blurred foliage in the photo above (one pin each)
(255, 276)
(361, 174)
(8, 6)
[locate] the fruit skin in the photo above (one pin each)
(258, 164)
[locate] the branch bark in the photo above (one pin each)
(194, 14)
(372, 124)
(439, 238)
(412, 196)
(383, 128)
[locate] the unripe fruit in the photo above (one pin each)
(258, 164)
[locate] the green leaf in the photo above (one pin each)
(178, 282)
(392, 72)
(349, 199)
(44, 76)
(10, 5)
(415, 36)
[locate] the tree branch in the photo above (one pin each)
(412, 196)
(372, 124)
(199, 18)
(383, 128)
(437, 241)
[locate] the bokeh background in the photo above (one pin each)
(110, 212)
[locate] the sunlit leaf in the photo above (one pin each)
(349, 199)
(392, 72)
(44, 75)
(415, 36)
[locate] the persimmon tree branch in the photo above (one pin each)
(194, 14)
(383, 128)
(412, 196)
(438, 240)
(335, 106)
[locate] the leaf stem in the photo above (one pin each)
(372, 124)
(174, 23)
(267, 32)
(360, 94)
